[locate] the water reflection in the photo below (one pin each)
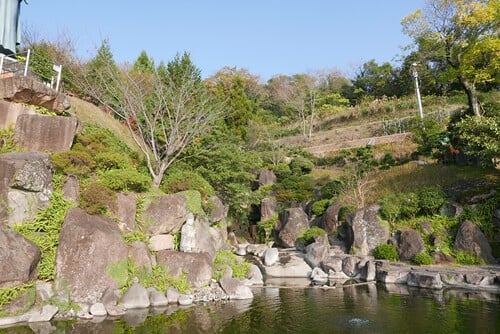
(356, 309)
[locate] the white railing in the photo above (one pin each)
(19, 65)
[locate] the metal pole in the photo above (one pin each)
(1, 64)
(27, 62)
(417, 89)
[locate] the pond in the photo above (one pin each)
(371, 308)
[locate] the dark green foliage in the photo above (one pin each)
(281, 171)
(386, 162)
(430, 136)
(96, 198)
(112, 160)
(332, 188)
(345, 210)
(307, 237)
(239, 108)
(182, 177)
(399, 206)
(75, 162)
(467, 258)
(294, 189)
(423, 259)
(430, 199)
(482, 215)
(386, 252)
(301, 166)
(319, 207)
(7, 140)
(127, 179)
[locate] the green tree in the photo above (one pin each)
(375, 80)
(465, 35)
(144, 64)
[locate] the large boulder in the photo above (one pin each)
(166, 214)
(196, 266)
(25, 185)
(45, 133)
(471, 239)
(317, 251)
(18, 258)
(9, 112)
(365, 230)
(29, 90)
(88, 247)
(330, 220)
(292, 222)
(198, 236)
(410, 244)
(290, 264)
(266, 177)
(125, 210)
(219, 211)
(267, 208)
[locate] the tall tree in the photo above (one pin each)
(165, 111)
(465, 33)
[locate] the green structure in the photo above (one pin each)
(10, 26)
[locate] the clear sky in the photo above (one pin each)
(266, 37)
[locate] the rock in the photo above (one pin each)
(290, 264)
(139, 253)
(387, 273)
(27, 89)
(125, 210)
(172, 295)
(451, 209)
(365, 231)
(219, 210)
(161, 242)
(241, 249)
(41, 133)
(9, 111)
(318, 276)
(115, 310)
(410, 244)
(196, 266)
(231, 237)
(98, 310)
(292, 222)
(71, 188)
(185, 300)
(42, 327)
(235, 289)
(271, 255)
(350, 266)
(426, 227)
(268, 208)
(424, 280)
(18, 258)
(471, 239)
(157, 298)
(45, 314)
(135, 297)
(315, 253)
(198, 236)
(25, 185)
(266, 177)
(44, 290)
(166, 214)
(135, 317)
(257, 249)
(254, 275)
(441, 258)
(88, 247)
(452, 278)
(368, 272)
(329, 221)
(332, 264)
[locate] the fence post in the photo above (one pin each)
(27, 62)
(58, 69)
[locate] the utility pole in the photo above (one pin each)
(417, 89)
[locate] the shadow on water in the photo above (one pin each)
(290, 309)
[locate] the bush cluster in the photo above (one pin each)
(386, 252)
(307, 237)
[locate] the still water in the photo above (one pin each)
(359, 309)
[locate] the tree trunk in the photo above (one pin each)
(470, 90)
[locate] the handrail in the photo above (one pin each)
(20, 64)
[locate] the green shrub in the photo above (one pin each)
(386, 252)
(112, 160)
(265, 229)
(482, 215)
(430, 199)
(332, 188)
(423, 259)
(226, 258)
(125, 180)
(74, 162)
(319, 207)
(193, 201)
(408, 205)
(386, 162)
(8, 295)
(307, 237)
(345, 210)
(96, 198)
(8, 141)
(468, 258)
(301, 166)
(184, 178)
(390, 206)
(281, 171)
(294, 189)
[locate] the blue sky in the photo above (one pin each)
(266, 37)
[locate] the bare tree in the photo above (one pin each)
(165, 112)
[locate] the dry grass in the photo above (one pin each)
(88, 113)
